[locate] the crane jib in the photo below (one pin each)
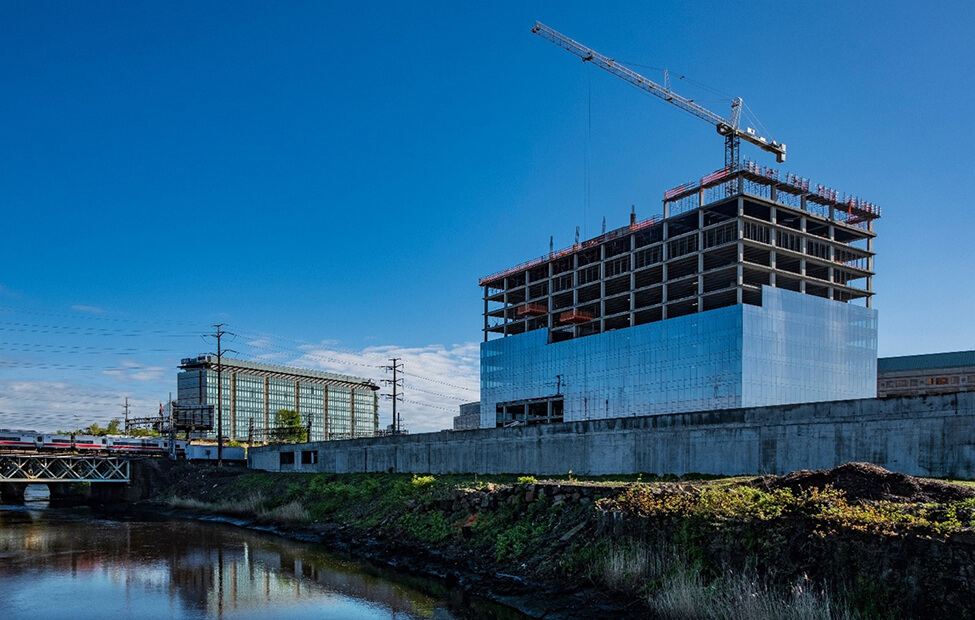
(725, 127)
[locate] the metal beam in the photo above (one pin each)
(43, 468)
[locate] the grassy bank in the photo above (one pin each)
(732, 548)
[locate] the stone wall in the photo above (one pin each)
(925, 436)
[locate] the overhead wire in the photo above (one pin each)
(79, 400)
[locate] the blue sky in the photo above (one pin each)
(330, 179)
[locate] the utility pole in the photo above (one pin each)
(125, 410)
(397, 384)
(218, 336)
(172, 430)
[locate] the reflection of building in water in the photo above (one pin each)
(251, 572)
(202, 568)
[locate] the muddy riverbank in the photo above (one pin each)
(822, 541)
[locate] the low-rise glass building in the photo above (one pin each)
(335, 406)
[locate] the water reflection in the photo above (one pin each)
(74, 565)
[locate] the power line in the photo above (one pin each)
(416, 389)
(459, 387)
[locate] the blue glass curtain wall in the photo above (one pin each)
(794, 348)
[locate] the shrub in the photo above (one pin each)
(422, 482)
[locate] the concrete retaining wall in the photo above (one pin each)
(927, 436)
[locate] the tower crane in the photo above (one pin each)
(729, 128)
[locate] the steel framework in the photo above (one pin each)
(44, 468)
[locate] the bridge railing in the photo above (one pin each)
(43, 468)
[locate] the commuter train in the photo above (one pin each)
(108, 444)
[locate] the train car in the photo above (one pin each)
(108, 444)
(144, 445)
(17, 440)
(81, 443)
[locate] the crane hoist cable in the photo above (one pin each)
(729, 128)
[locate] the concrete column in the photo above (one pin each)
(67, 493)
(700, 260)
(602, 291)
(12, 492)
(832, 254)
(773, 241)
(485, 314)
(504, 304)
(233, 405)
(664, 255)
(352, 413)
(740, 254)
(267, 407)
(325, 413)
(870, 268)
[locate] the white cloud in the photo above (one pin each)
(88, 309)
(61, 405)
(134, 371)
(437, 378)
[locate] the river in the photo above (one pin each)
(75, 563)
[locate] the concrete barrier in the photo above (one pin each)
(925, 436)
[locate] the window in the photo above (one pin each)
(788, 241)
(617, 266)
(589, 274)
(309, 457)
(562, 283)
(721, 235)
(682, 246)
(817, 249)
(756, 232)
(286, 458)
(647, 257)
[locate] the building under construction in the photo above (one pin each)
(752, 289)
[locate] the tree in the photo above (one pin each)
(93, 429)
(288, 427)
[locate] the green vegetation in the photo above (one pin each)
(710, 548)
(288, 427)
(114, 428)
(828, 508)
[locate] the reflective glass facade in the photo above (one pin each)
(335, 406)
(792, 348)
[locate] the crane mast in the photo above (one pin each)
(729, 128)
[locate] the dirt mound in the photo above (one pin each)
(868, 482)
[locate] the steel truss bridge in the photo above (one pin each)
(41, 468)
